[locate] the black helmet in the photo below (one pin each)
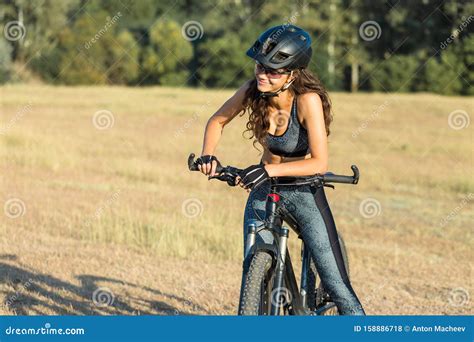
(284, 46)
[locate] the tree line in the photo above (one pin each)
(394, 45)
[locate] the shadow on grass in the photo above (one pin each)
(26, 291)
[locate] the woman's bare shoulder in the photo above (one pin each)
(309, 98)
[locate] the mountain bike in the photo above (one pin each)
(270, 286)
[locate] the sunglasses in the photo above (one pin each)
(271, 73)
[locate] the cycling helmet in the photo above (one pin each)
(284, 46)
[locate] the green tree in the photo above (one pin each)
(165, 59)
(443, 75)
(93, 52)
(125, 54)
(226, 65)
(467, 59)
(394, 74)
(39, 25)
(5, 60)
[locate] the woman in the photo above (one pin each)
(289, 115)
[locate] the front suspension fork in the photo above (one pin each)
(279, 294)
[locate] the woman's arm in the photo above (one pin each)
(311, 108)
(215, 125)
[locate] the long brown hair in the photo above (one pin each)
(257, 107)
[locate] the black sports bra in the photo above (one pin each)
(292, 143)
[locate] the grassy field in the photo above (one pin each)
(96, 194)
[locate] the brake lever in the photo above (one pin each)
(225, 176)
(217, 176)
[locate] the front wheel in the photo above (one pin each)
(257, 288)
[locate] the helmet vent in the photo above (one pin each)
(280, 56)
(256, 46)
(268, 47)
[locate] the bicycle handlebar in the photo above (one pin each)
(228, 173)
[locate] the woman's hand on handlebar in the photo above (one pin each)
(252, 177)
(207, 164)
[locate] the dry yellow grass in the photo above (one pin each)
(117, 205)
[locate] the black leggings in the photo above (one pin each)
(310, 208)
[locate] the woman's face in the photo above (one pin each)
(270, 80)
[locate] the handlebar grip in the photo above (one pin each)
(355, 170)
(330, 178)
(191, 163)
